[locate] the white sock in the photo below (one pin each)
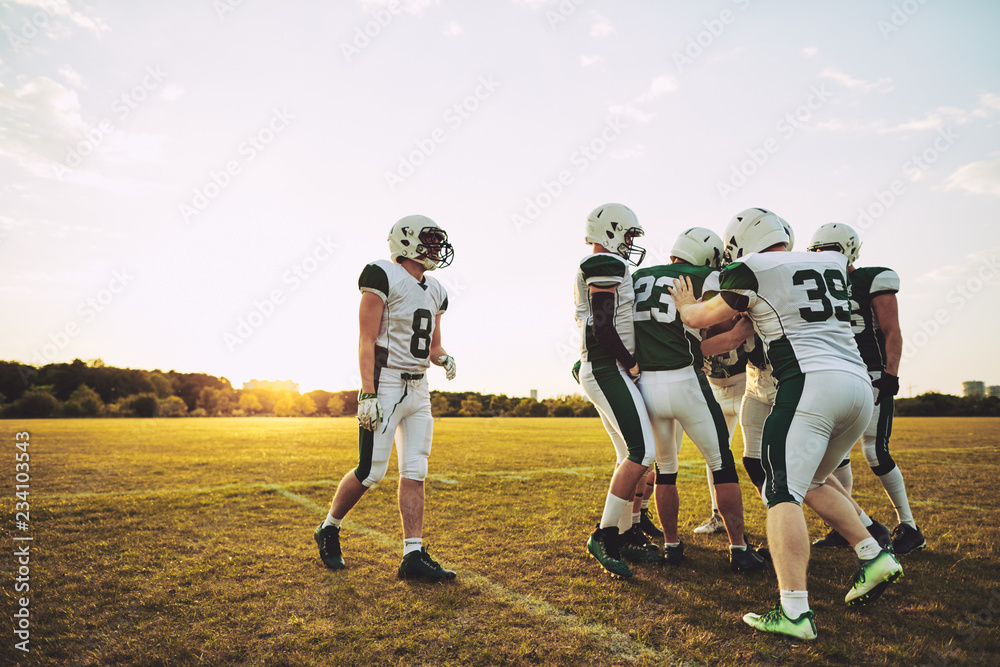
(330, 521)
(846, 477)
(645, 504)
(671, 544)
(865, 519)
(412, 544)
(636, 517)
(613, 508)
(895, 488)
(733, 547)
(625, 520)
(795, 603)
(867, 549)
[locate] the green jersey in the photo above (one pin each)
(867, 283)
(603, 270)
(664, 342)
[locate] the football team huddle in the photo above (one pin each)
(802, 348)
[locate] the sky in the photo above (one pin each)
(196, 186)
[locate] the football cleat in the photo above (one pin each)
(881, 533)
(673, 555)
(873, 577)
(832, 539)
(775, 621)
(746, 560)
(603, 545)
(420, 565)
(328, 541)
(647, 526)
(713, 525)
(635, 548)
(906, 539)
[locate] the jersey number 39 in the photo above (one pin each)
(830, 284)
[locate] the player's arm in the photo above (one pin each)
(887, 311)
(439, 357)
(602, 300)
(695, 314)
(369, 319)
(729, 340)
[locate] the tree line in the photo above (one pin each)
(92, 389)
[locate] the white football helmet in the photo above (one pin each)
(419, 238)
(753, 230)
(615, 226)
(699, 246)
(788, 230)
(839, 237)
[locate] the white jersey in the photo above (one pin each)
(604, 270)
(404, 335)
(799, 303)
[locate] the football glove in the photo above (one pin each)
(448, 363)
(369, 411)
(887, 385)
(576, 371)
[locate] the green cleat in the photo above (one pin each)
(873, 577)
(328, 541)
(603, 545)
(775, 621)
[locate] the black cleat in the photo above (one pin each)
(906, 539)
(881, 533)
(635, 548)
(674, 555)
(328, 540)
(647, 526)
(832, 539)
(746, 560)
(420, 565)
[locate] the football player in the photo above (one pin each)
(400, 323)
(799, 305)
(875, 319)
(604, 298)
(677, 393)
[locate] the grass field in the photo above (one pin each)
(183, 542)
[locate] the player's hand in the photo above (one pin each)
(683, 293)
(576, 370)
(369, 411)
(634, 373)
(887, 385)
(448, 363)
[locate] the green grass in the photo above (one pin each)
(185, 542)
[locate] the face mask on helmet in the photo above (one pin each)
(837, 237)
(434, 246)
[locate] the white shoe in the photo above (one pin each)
(713, 525)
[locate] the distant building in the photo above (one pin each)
(283, 385)
(534, 394)
(993, 391)
(973, 388)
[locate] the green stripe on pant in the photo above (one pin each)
(773, 443)
(622, 403)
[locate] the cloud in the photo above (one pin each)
(987, 105)
(602, 27)
(978, 178)
(848, 81)
(38, 121)
(661, 85)
(532, 4)
(172, 92)
(415, 7)
(636, 151)
(453, 29)
(72, 77)
(810, 51)
(54, 9)
(587, 61)
(630, 111)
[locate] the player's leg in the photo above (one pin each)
(645, 521)
(906, 537)
(413, 447)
